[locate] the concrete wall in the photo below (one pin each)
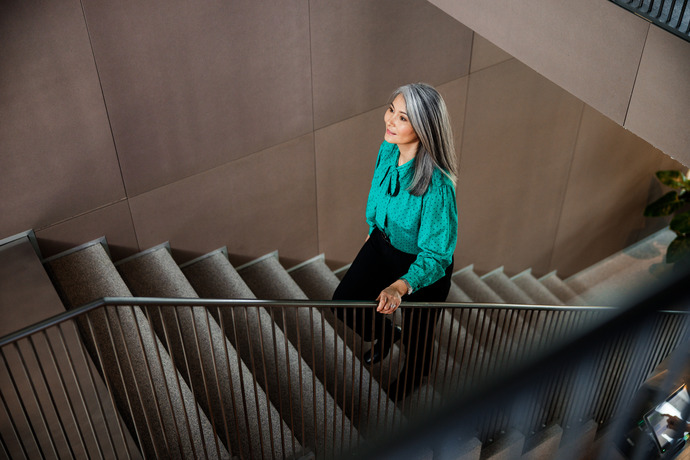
(256, 125)
(635, 73)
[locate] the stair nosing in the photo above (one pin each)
(256, 261)
(150, 250)
(492, 272)
(527, 271)
(464, 269)
(223, 250)
(102, 241)
(300, 265)
(551, 273)
(342, 269)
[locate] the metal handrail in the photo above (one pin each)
(200, 302)
(471, 346)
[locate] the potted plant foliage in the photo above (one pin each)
(676, 203)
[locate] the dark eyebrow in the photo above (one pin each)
(391, 105)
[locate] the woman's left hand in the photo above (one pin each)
(389, 299)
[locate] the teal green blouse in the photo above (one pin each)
(424, 225)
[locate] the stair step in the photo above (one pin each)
(507, 447)
(633, 259)
(240, 411)
(457, 295)
(536, 290)
(306, 406)
(499, 282)
(473, 286)
(315, 279)
(143, 392)
(561, 290)
(577, 443)
(340, 273)
(544, 444)
(28, 296)
(334, 363)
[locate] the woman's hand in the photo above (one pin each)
(390, 298)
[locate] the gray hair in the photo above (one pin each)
(429, 117)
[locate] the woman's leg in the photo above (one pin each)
(368, 275)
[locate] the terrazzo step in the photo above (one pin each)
(576, 444)
(30, 376)
(544, 444)
(284, 375)
(341, 372)
(507, 447)
(315, 279)
(534, 289)
(561, 290)
(472, 285)
(634, 260)
(318, 282)
(340, 272)
(220, 379)
(499, 282)
(152, 396)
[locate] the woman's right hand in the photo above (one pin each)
(367, 238)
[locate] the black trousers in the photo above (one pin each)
(376, 267)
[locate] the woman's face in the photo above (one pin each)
(398, 127)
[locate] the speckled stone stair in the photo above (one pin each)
(561, 290)
(341, 372)
(499, 282)
(315, 279)
(30, 376)
(577, 443)
(543, 445)
(507, 447)
(143, 379)
(536, 290)
(610, 281)
(241, 412)
(472, 285)
(305, 403)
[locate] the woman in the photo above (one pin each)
(412, 217)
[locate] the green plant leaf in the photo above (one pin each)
(679, 249)
(681, 223)
(674, 179)
(664, 206)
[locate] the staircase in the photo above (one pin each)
(261, 382)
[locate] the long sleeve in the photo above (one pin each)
(437, 237)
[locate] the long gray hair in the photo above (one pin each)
(427, 112)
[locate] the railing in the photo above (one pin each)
(125, 377)
(672, 15)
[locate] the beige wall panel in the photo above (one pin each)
(56, 151)
(362, 50)
(590, 47)
(485, 54)
(114, 222)
(610, 183)
(345, 160)
(193, 85)
(254, 205)
(660, 106)
(520, 131)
